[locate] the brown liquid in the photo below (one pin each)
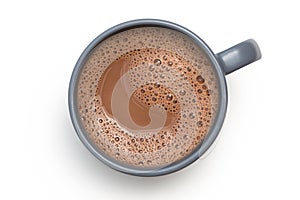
(143, 100)
(138, 103)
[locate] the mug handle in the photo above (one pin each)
(239, 56)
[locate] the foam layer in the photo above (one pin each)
(147, 96)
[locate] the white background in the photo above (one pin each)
(256, 157)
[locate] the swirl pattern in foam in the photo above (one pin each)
(147, 96)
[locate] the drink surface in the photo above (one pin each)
(147, 96)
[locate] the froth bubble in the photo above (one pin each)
(141, 163)
(182, 92)
(199, 123)
(170, 63)
(200, 79)
(208, 92)
(151, 68)
(169, 97)
(157, 62)
(192, 116)
(157, 85)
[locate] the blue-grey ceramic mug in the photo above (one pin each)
(223, 63)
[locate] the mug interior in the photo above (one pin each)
(175, 166)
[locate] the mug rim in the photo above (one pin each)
(211, 135)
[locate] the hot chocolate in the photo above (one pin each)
(147, 96)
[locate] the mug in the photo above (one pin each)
(223, 63)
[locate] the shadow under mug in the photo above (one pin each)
(224, 63)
